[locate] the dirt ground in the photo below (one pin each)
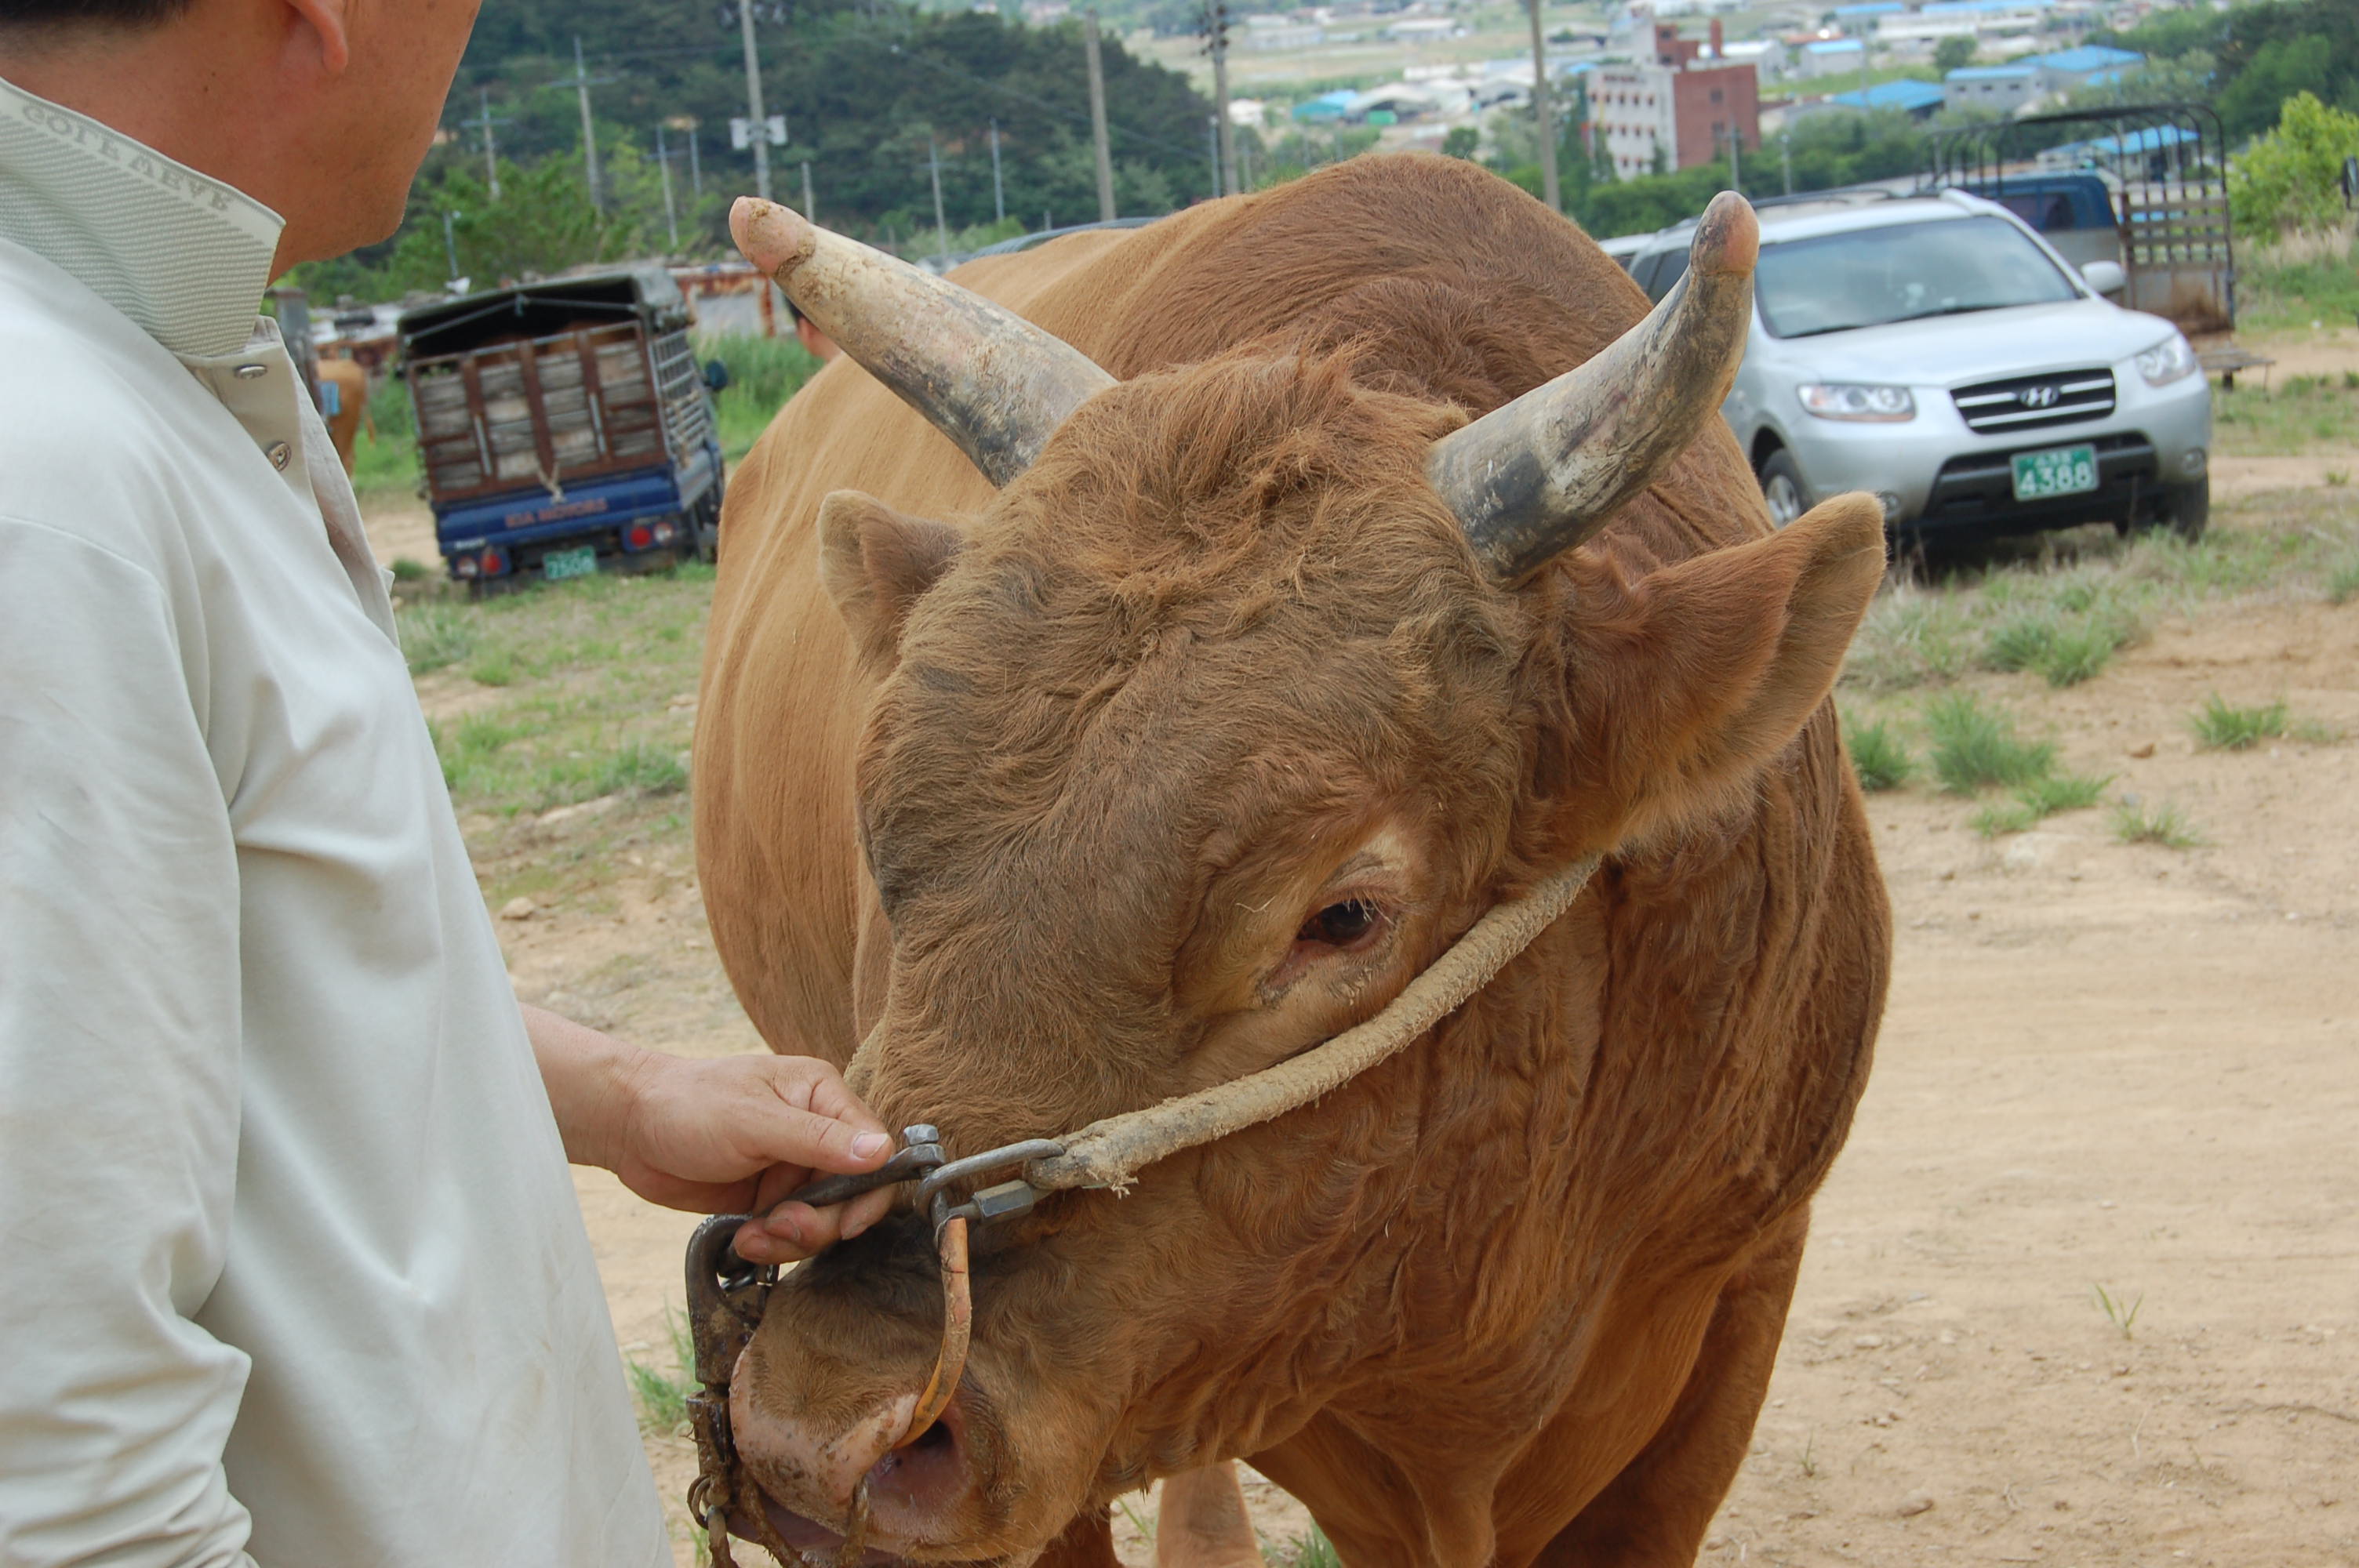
(2104, 1066)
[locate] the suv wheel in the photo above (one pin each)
(1781, 487)
(2184, 509)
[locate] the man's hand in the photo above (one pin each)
(717, 1136)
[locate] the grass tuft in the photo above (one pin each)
(408, 569)
(1312, 1551)
(2343, 582)
(2135, 823)
(2119, 1311)
(436, 635)
(2222, 727)
(661, 1395)
(1976, 748)
(2038, 799)
(1878, 756)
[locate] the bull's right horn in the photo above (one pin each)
(991, 380)
(1531, 480)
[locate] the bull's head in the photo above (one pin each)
(1244, 697)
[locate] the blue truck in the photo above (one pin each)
(564, 429)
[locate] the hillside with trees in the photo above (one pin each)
(872, 91)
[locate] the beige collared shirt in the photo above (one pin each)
(290, 1265)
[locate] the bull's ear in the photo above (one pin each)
(875, 563)
(1666, 695)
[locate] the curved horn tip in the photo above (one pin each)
(774, 238)
(1728, 238)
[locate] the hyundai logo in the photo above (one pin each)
(2043, 396)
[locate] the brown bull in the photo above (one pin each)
(1260, 678)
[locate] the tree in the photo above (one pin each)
(2289, 178)
(1953, 53)
(2271, 53)
(1461, 142)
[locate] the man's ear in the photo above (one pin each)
(331, 21)
(1662, 699)
(874, 563)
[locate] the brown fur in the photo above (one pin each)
(1111, 737)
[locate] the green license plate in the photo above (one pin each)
(2058, 470)
(558, 565)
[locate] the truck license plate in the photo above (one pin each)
(2058, 470)
(558, 565)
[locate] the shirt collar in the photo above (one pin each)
(182, 255)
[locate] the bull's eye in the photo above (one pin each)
(1346, 925)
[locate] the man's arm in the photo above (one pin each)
(723, 1135)
(119, 1072)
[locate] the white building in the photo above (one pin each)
(1832, 57)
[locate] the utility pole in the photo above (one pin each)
(810, 216)
(1785, 158)
(450, 245)
(1213, 148)
(581, 81)
(999, 191)
(663, 167)
(695, 170)
(1216, 33)
(491, 147)
(1097, 118)
(1542, 121)
(754, 101)
(1735, 144)
(942, 228)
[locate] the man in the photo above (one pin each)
(290, 1268)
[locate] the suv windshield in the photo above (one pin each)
(1901, 273)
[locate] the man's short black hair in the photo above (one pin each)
(127, 15)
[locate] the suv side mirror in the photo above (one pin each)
(716, 375)
(2104, 276)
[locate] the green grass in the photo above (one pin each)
(2063, 647)
(1312, 1551)
(2296, 415)
(1879, 757)
(2036, 800)
(2220, 726)
(660, 1394)
(2343, 582)
(2137, 823)
(763, 373)
(2277, 291)
(1976, 748)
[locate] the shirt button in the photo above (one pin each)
(278, 452)
(247, 372)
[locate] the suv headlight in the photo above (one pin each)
(2167, 362)
(1851, 400)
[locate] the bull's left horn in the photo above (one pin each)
(1531, 480)
(991, 380)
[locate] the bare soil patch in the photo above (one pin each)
(2104, 1064)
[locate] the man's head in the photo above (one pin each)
(319, 109)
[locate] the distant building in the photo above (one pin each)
(2002, 88)
(1832, 57)
(1918, 98)
(2088, 66)
(1682, 103)
(1283, 33)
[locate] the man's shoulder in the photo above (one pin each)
(98, 423)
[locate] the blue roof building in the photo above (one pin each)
(1918, 98)
(2001, 89)
(2088, 58)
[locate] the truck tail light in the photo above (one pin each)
(640, 537)
(494, 562)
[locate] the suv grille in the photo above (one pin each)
(2035, 401)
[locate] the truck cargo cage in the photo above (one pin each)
(2142, 185)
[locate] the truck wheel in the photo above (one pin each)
(1782, 488)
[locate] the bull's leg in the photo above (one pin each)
(1201, 1522)
(1654, 1514)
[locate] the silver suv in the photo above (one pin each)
(1934, 351)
